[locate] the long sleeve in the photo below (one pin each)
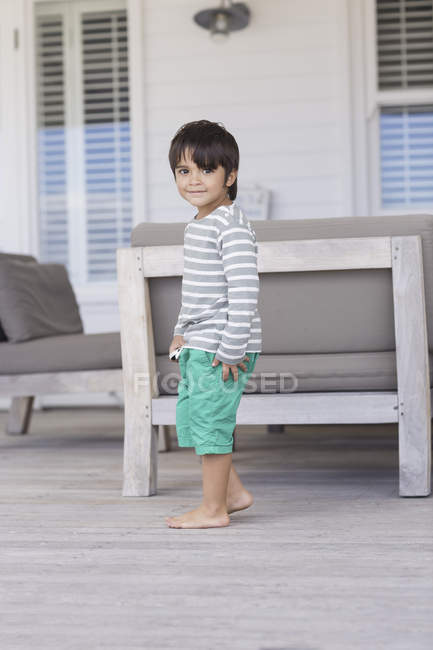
(238, 250)
(179, 328)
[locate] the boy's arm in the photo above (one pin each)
(237, 246)
(179, 328)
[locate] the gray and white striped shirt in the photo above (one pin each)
(220, 286)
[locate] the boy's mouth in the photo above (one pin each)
(198, 192)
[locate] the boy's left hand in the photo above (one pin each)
(227, 367)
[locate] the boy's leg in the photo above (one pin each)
(212, 512)
(238, 497)
(215, 476)
(212, 417)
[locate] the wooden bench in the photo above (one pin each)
(409, 406)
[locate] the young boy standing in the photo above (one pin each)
(218, 330)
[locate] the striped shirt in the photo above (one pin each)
(220, 286)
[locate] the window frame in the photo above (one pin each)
(374, 99)
(101, 292)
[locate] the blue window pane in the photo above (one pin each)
(406, 155)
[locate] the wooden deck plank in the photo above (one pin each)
(327, 558)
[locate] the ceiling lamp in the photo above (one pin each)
(228, 17)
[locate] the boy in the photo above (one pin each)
(218, 330)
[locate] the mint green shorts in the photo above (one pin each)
(206, 406)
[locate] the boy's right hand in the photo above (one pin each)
(177, 341)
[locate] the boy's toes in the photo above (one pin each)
(172, 522)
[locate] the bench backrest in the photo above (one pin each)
(310, 312)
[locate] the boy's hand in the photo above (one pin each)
(177, 341)
(227, 367)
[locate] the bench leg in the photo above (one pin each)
(164, 439)
(414, 450)
(19, 415)
(413, 373)
(140, 456)
(275, 428)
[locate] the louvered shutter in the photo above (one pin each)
(51, 139)
(84, 148)
(107, 147)
(404, 43)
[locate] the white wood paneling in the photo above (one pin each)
(280, 86)
(15, 226)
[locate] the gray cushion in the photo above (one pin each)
(17, 256)
(57, 353)
(13, 256)
(328, 312)
(36, 300)
(365, 371)
(314, 372)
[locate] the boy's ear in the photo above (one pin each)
(232, 176)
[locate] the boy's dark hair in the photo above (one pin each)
(210, 144)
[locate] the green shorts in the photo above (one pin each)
(206, 406)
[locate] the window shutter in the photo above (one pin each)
(52, 182)
(107, 159)
(84, 149)
(404, 43)
(406, 149)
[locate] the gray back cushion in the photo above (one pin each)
(309, 312)
(36, 300)
(12, 256)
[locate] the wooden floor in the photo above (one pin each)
(329, 557)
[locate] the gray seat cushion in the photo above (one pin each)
(314, 372)
(56, 353)
(365, 371)
(36, 300)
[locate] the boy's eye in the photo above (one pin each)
(185, 170)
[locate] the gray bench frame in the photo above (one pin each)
(410, 405)
(23, 388)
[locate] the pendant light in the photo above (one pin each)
(220, 21)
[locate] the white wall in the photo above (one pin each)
(14, 224)
(281, 86)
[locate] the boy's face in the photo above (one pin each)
(201, 187)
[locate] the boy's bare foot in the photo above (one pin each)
(239, 501)
(198, 518)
